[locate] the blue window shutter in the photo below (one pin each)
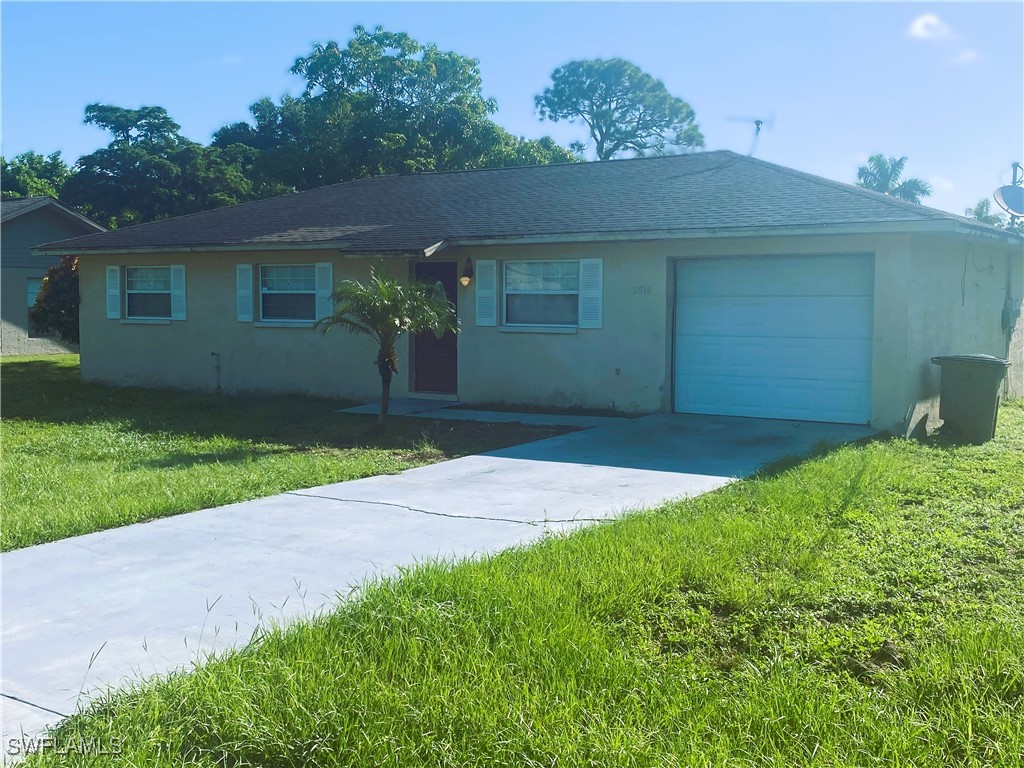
(324, 286)
(177, 292)
(487, 293)
(243, 292)
(113, 293)
(591, 293)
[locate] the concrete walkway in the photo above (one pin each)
(100, 609)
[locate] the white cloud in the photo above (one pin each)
(965, 56)
(928, 26)
(941, 184)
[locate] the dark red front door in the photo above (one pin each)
(436, 360)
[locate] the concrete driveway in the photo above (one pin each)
(93, 611)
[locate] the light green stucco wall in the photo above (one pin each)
(924, 306)
(622, 365)
(252, 358)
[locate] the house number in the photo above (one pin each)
(641, 290)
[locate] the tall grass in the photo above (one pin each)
(863, 608)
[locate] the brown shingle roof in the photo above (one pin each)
(12, 207)
(409, 214)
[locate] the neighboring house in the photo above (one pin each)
(703, 283)
(26, 222)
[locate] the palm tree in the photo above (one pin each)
(882, 174)
(384, 308)
(983, 212)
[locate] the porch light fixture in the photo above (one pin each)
(467, 273)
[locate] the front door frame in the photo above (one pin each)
(450, 280)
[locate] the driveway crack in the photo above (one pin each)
(446, 514)
(30, 704)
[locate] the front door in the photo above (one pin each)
(435, 361)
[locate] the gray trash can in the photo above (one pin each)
(969, 394)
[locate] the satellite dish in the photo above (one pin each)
(1011, 199)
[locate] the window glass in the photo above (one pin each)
(288, 292)
(542, 292)
(35, 284)
(148, 292)
(149, 278)
(149, 305)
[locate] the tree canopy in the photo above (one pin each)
(383, 103)
(31, 174)
(56, 307)
(150, 171)
(982, 211)
(882, 174)
(624, 108)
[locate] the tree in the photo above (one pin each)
(982, 211)
(150, 171)
(883, 175)
(624, 108)
(31, 174)
(381, 104)
(56, 308)
(384, 309)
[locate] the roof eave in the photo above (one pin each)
(893, 227)
(340, 247)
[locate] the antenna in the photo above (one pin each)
(758, 124)
(1011, 197)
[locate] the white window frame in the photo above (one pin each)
(263, 291)
(129, 292)
(505, 293)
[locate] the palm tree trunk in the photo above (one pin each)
(386, 368)
(385, 399)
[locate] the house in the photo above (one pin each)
(26, 222)
(703, 283)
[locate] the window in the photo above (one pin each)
(542, 292)
(35, 285)
(148, 292)
(288, 292)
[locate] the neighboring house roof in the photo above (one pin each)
(711, 193)
(13, 207)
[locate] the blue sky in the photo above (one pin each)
(942, 83)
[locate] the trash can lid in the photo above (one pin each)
(978, 359)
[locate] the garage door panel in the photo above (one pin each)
(782, 316)
(801, 358)
(802, 399)
(775, 337)
(848, 275)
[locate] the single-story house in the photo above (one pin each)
(700, 283)
(26, 222)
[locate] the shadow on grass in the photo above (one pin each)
(820, 450)
(50, 391)
(182, 460)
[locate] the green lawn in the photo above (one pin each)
(79, 458)
(863, 608)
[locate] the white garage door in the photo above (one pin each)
(785, 337)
